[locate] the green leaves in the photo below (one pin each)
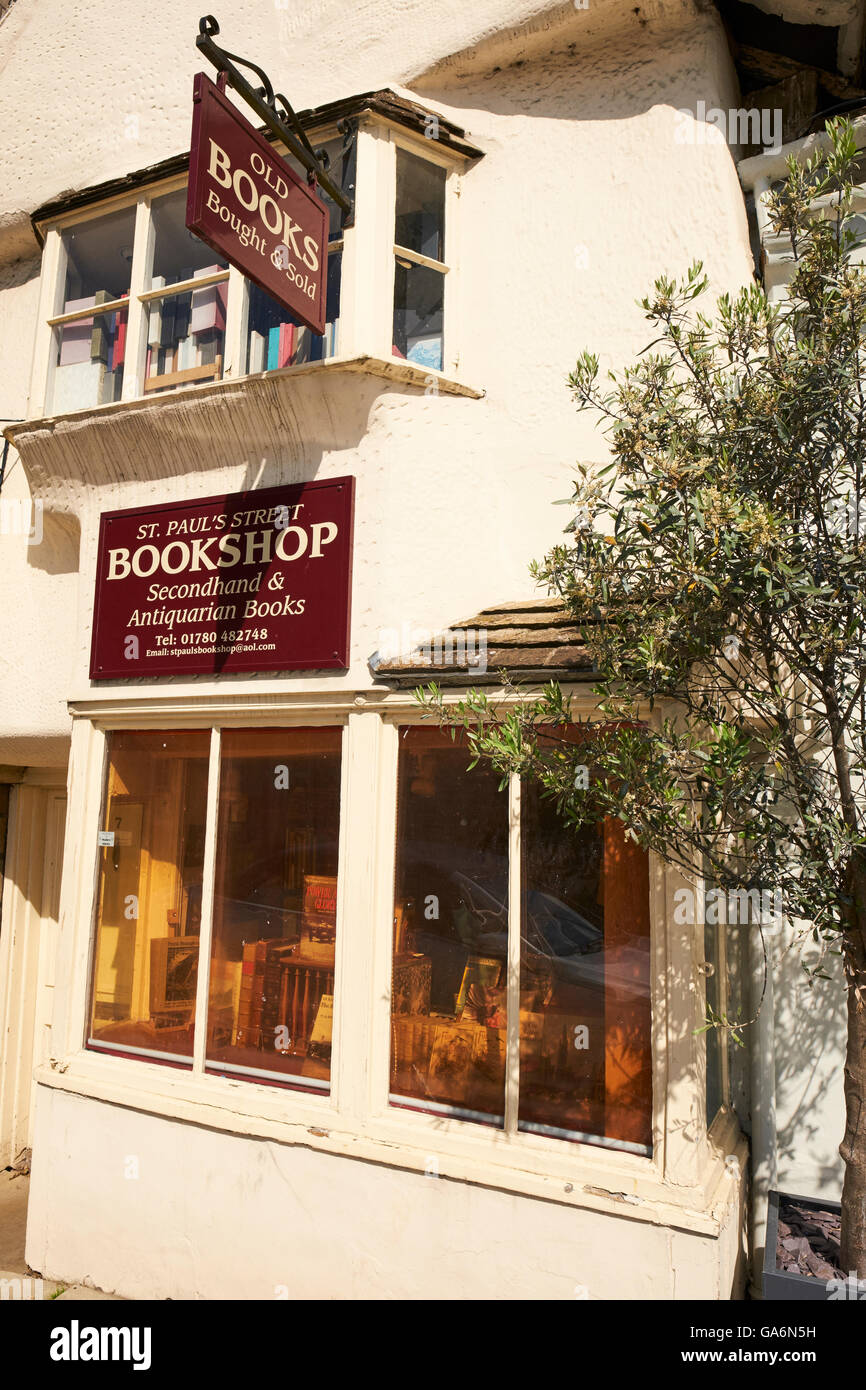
(719, 578)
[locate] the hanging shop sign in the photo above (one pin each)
(252, 209)
(252, 581)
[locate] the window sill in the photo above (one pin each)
(215, 425)
(606, 1181)
(387, 368)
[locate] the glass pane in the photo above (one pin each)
(419, 297)
(186, 337)
(178, 254)
(450, 931)
(90, 352)
(150, 875)
(98, 259)
(274, 925)
(338, 170)
(584, 984)
(276, 339)
(90, 357)
(419, 223)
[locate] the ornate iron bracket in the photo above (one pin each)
(274, 110)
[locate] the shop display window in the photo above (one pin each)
(584, 984)
(275, 902)
(584, 978)
(151, 857)
(450, 931)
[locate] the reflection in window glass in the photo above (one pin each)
(274, 921)
(448, 1024)
(177, 252)
(150, 877)
(419, 222)
(419, 298)
(91, 350)
(584, 987)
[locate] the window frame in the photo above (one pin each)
(673, 1187)
(367, 275)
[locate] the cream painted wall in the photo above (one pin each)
(583, 196)
(454, 500)
(287, 1222)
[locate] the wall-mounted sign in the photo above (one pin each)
(252, 581)
(253, 210)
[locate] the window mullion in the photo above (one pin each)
(512, 1044)
(50, 304)
(136, 324)
(206, 927)
(237, 319)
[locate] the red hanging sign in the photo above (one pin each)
(253, 210)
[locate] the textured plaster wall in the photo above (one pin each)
(583, 197)
(319, 1226)
(585, 193)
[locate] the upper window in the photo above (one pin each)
(419, 254)
(172, 314)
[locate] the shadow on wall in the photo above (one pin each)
(634, 65)
(56, 543)
(810, 1025)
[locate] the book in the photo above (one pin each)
(481, 971)
(154, 320)
(75, 337)
(286, 344)
(100, 336)
(119, 340)
(257, 352)
(273, 347)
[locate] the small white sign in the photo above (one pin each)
(105, 839)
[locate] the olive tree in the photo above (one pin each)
(716, 565)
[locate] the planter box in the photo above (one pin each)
(777, 1284)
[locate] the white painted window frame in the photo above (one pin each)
(355, 1119)
(367, 278)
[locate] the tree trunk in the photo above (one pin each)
(853, 1146)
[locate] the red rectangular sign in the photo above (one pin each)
(251, 208)
(251, 581)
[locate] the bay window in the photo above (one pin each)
(173, 314)
(519, 987)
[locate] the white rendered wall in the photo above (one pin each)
(583, 197)
(218, 1216)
